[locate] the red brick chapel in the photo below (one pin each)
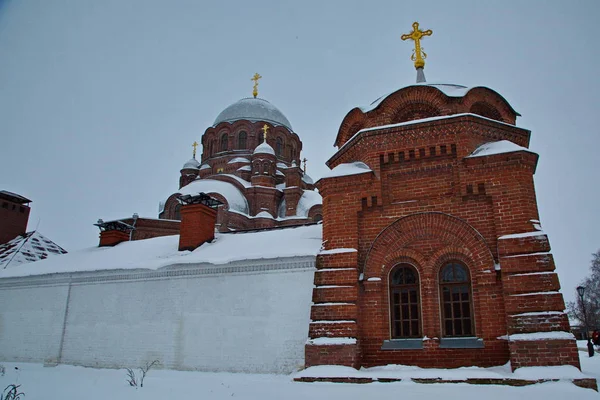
(434, 254)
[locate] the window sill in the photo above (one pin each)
(402, 344)
(461, 343)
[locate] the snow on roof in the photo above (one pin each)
(308, 199)
(205, 166)
(234, 197)
(279, 173)
(243, 182)
(499, 147)
(245, 168)
(345, 169)
(264, 214)
(281, 165)
(26, 248)
(191, 164)
(161, 252)
(264, 148)
(253, 109)
(239, 160)
(307, 179)
(16, 198)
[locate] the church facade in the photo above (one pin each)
(434, 253)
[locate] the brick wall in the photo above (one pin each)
(13, 220)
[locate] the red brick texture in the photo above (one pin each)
(13, 220)
(427, 203)
(197, 226)
(112, 238)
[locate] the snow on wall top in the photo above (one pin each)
(307, 179)
(239, 160)
(499, 147)
(253, 109)
(161, 252)
(234, 197)
(26, 248)
(308, 199)
(345, 169)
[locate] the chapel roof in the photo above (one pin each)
(253, 109)
(26, 248)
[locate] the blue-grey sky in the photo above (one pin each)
(100, 101)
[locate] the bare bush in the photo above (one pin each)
(11, 392)
(132, 379)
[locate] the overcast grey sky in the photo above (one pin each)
(100, 101)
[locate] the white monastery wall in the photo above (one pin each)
(241, 317)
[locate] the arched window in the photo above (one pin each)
(177, 215)
(455, 293)
(242, 140)
(404, 302)
(224, 142)
(279, 147)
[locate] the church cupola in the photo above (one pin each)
(190, 169)
(264, 163)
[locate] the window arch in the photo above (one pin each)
(405, 313)
(242, 140)
(223, 142)
(279, 147)
(457, 305)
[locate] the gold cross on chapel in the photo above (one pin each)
(265, 128)
(419, 55)
(304, 162)
(255, 78)
(194, 145)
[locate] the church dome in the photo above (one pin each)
(264, 148)
(253, 109)
(191, 164)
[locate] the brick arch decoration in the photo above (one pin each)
(489, 101)
(461, 241)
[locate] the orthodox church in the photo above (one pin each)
(422, 246)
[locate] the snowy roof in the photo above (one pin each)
(191, 164)
(309, 199)
(499, 147)
(264, 148)
(160, 252)
(253, 109)
(26, 248)
(234, 197)
(239, 160)
(264, 214)
(353, 168)
(205, 166)
(245, 168)
(449, 89)
(15, 198)
(307, 179)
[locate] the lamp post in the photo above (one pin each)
(590, 346)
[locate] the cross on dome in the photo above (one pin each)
(194, 145)
(418, 55)
(255, 78)
(265, 128)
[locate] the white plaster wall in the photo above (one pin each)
(242, 322)
(31, 321)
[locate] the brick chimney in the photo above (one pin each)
(14, 215)
(114, 232)
(198, 218)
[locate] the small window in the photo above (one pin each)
(224, 142)
(4, 205)
(242, 140)
(177, 215)
(405, 310)
(457, 308)
(279, 147)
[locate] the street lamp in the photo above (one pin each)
(590, 346)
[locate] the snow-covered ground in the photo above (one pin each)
(76, 383)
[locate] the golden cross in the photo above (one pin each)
(255, 78)
(419, 55)
(265, 128)
(194, 145)
(304, 161)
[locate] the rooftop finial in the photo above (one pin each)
(194, 145)
(418, 55)
(304, 160)
(255, 78)
(265, 128)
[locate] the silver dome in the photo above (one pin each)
(253, 109)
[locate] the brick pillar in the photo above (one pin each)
(197, 226)
(534, 306)
(292, 197)
(333, 329)
(112, 238)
